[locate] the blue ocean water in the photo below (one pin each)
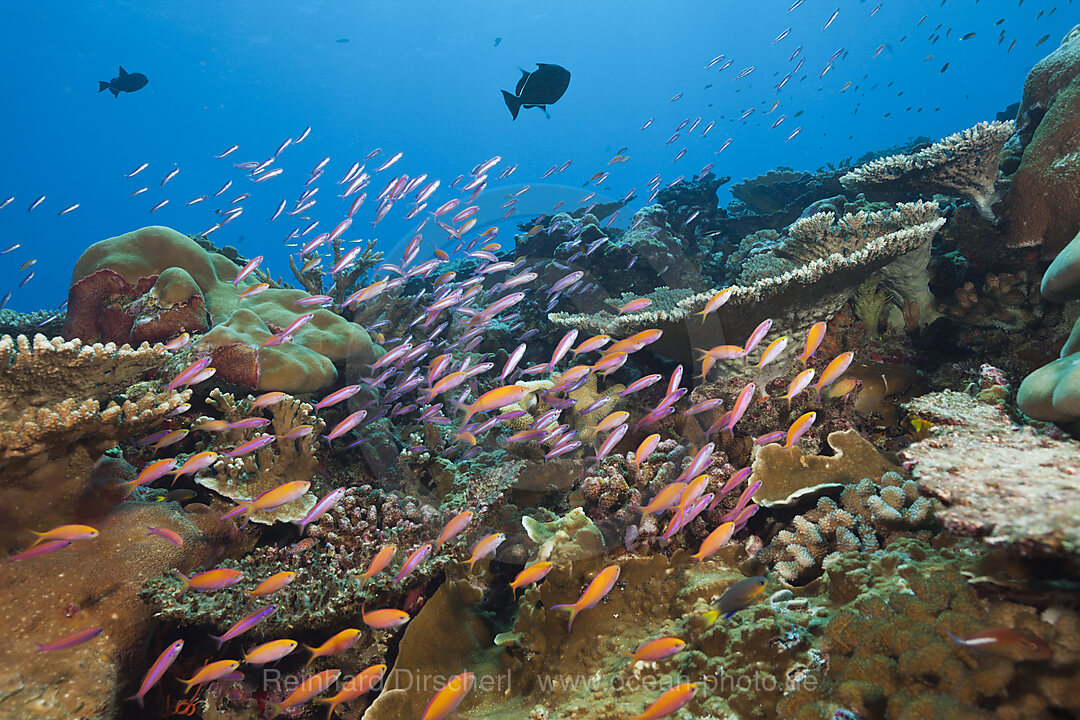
(424, 78)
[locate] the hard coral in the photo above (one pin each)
(1043, 206)
(185, 270)
(62, 406)
(964, 164)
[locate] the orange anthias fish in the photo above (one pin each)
(449, 697)
(454, 527)
(669, 702)
(210, 673)
(384, 619)
(813, 341)
(495, 399)
(1005, 643)
(211, 579)
(658, 649)
(340, 642)
(273, 583)
(532, 574)
(361, 683)
(379, 563)
(715, 540)
(599, 587)
(66, 532)
(308, 689)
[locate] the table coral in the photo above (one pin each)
(184, 270)
(964, 164)
(844, 251)
(62, 406)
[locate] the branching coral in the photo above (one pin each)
(247, 476)
(344, 282)
(964, 164)
(869, 516)
(62, 406)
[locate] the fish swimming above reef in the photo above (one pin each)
(539, 88)
(124, 82)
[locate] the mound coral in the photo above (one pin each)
(1043, 206)
(93, 583)
(155, 278)
(964, 164)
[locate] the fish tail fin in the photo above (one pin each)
(629, 655)
(136, 698)
(574, 610)
(314, 654)
(957, 640)
(129, 487)
(513, 103)
(185, 578)
(219, 640)
(102, 85)
(711, 616)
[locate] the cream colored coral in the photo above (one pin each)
(964, 164)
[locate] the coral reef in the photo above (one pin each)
(170, 271)
(63, 405)
(344, 282)
(93, 583)
(1008, 484)
(964, 164)
(837, 255)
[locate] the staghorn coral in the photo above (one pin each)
(62, 406)
(870, 515)
(183, 271)
(1017, 488)
(93, 583)
(964, 164)
(283, 461)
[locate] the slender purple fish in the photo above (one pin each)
(322, 507)
(244, 624)
(157, 670)
(75, 638)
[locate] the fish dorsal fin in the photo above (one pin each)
(521, 83)
(123, 72)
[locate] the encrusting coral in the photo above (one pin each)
(62, 406)
(1007, 483)
(787, 475)
(93, 583)
(176, 270)
(964, 164)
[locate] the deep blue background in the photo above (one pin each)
(424, 78)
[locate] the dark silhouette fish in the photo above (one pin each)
(125, 82)
(538, 89)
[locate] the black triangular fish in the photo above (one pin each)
(124, 82)
(539, 89)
